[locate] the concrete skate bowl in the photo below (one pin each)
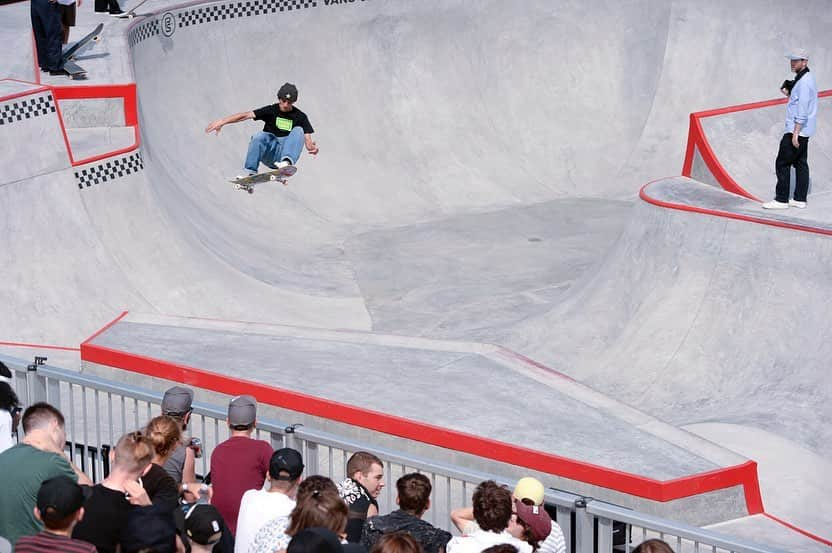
(440, 122)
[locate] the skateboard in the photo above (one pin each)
(280, 175)
(132, 13)
(74, 70)
(70, 53)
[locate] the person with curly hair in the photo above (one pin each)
(494, 511)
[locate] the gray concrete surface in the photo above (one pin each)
(448, 112)
(462, 390)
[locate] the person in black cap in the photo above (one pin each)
(260, 506)
(203, 525)
(286, 130)
(60, 506)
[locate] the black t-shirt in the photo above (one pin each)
(105, 515)
(279, 123)
(161, 488)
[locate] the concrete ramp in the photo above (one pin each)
(695, 317)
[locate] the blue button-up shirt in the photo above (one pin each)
(803, 106)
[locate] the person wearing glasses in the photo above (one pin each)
(286, 131)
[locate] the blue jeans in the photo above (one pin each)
(270, 149)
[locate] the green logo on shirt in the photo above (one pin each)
(283, 124)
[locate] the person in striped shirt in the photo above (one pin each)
(60, 506)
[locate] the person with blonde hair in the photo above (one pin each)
(111, 501)
(163, 433)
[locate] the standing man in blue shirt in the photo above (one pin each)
(801, 121)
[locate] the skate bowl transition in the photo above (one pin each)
(475, 246)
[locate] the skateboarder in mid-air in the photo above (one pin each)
(286, 131)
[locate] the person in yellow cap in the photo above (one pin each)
(531, 493)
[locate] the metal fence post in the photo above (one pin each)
(604, 535)
(35, 383)
(290, 437)
(311, 460)
(583, 527)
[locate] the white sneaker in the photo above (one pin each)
(797, 204)
(774, 204)
(282, 164)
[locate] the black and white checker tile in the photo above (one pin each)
(26, 108)
(109, 170)
(143, 32)
(248, 8)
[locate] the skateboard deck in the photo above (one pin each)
(74, 70)
(70, 53)
(280, 175)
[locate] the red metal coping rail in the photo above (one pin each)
(127, 92)
(698, 141)
(744, 475)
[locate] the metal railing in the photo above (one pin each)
(98, 411)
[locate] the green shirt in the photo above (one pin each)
(22, 470)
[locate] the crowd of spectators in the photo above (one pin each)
(254, 500)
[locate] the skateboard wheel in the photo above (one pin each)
(250, 190)
(272, 177)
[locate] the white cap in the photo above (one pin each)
(798, 54)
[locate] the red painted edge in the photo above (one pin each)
(798, 529)
(105, 328)
(23, 93)
(700, 141)
(729, 215)
(127, 92)
(37, 346)
(36, 68)
(632, 484)
(532, 362)
(752, 105)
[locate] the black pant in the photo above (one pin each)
(107, 5)
(789, 157)
(49, 34)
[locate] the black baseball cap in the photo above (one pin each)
(288, 92)
(59, 497)
(287, 461)
(203, 522)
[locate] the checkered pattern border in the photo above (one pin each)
(249, 8)
(112, 169)
(143, 32)
(26, 109)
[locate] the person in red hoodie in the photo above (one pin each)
(240, 463)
